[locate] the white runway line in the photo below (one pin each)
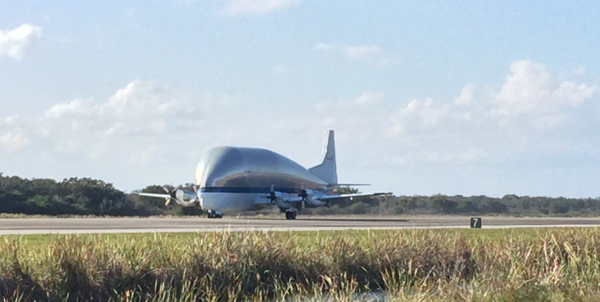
(268, 229)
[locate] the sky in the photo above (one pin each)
(426, 97)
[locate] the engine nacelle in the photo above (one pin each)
(183, 198)
(313, 203)
(311, 199)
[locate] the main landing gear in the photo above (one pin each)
(214, 214)
(289, 215)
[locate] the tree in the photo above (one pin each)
(466, 207)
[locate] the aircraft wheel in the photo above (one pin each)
(290, 215)
(213, 214)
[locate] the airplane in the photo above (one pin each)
(234, 179)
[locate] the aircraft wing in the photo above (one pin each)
(179, 196)
(293, 199)
(155, 195)
(342, 196)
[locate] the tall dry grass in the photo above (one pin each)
(560, 265)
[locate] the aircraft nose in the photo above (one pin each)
(201, 200)
(206, 202)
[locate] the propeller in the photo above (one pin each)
(168, 200)
(176, 193)
(180, 196)
(272, 196)
(304, 195)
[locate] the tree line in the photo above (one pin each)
(86, 196)
(510, 204)
(74, 196)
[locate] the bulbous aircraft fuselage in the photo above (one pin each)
(236, 179)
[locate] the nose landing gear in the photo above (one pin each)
(289, 215)
(214, 214)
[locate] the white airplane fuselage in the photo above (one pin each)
(232, 179)
(235, 179)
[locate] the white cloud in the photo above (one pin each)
(9, 120)
(530, 100)
(417, 115)
(466, 95)
(258, 7)
(365, 53)
(531, 92)
(147, 133)
(13, 141)
(514, 120)
(12, 137)
(140, 115)
(140, 108)
(74, 109)
(530, 88)
(14, 43)
(140, 123)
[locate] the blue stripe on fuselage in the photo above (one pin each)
(246, 190)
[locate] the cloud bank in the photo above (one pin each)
(13, 43)
(535, 119)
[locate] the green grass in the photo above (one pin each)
(299, 237)
(408, 265)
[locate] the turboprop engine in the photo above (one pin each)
(181, 197)
(310, 199)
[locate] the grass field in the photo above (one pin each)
(401, 265)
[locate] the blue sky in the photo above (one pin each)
(426, 97)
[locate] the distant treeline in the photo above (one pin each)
(74, 196)
(468, 205)
(85, 196)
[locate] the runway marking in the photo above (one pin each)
(27, 226)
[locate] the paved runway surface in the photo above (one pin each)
(136, 225)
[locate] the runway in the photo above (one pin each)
(16, 226)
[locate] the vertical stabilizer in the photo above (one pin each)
(327, 170)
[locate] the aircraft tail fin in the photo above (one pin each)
(327, 170)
